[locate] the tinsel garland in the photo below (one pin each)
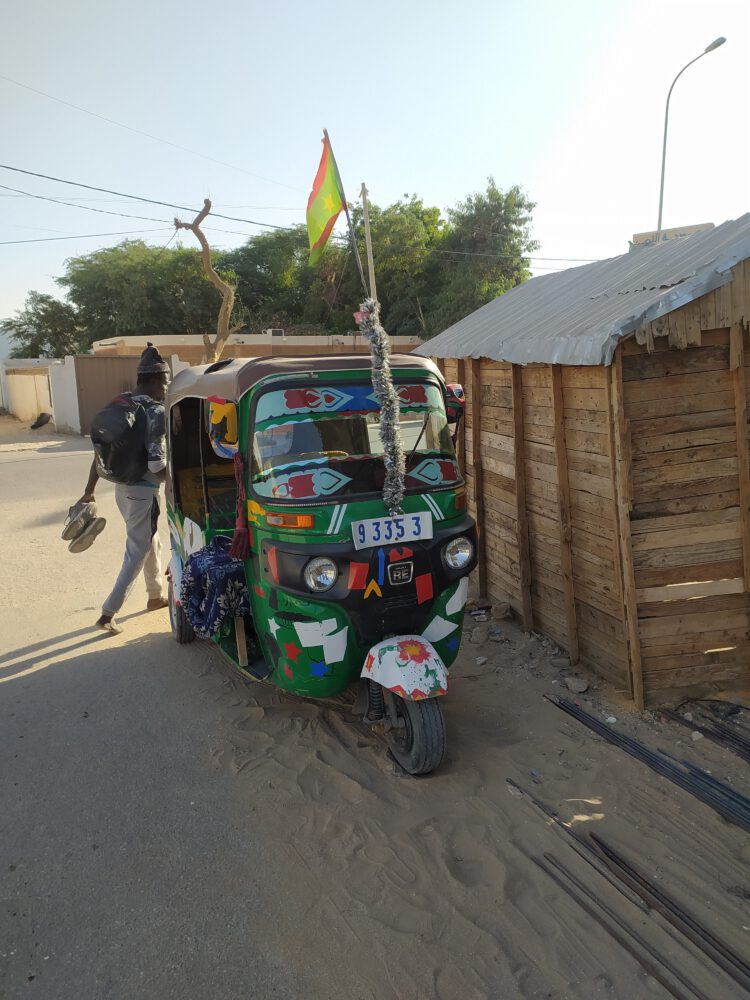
(385, 393)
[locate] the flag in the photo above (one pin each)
(325, 203)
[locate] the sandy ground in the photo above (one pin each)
(171, 831)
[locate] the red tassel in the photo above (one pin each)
(240, 548)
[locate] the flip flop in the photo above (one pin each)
(86, 538)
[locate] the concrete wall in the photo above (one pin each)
(64, 392)
(28, 392)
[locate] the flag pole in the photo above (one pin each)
(368, 243)
(355, 248)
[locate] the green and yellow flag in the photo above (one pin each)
(325, 203)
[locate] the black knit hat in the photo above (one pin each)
(151, 362)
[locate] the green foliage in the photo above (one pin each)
(431, 270)
(45, 328)
(137, 289)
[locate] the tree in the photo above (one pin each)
(482, 253)
(45, 328)
(137, 289)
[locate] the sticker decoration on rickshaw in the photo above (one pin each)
(319, 400)
(222, 427)
(424, 588)
(314, 635)
(439, 628)
(435, 471)
(320, 669)
(303, 485)
(292, 651)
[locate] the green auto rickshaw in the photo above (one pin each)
(285, 455)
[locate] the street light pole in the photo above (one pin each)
(709, 48)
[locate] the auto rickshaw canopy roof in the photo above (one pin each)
(232, 378)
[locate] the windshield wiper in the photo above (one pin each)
(421, 433)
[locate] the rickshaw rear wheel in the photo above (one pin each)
(182, 630)
(419, 746)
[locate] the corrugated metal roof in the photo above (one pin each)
(577, 316)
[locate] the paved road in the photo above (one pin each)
(130, 864)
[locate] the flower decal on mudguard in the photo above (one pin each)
(409, 666)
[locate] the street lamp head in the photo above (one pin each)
(715, 44)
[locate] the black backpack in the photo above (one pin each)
(118, 433)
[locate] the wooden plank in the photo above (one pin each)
(676, 679)
(537, 375)
(723, 299)
(693, 323)
(566, 530)
(584, 399)
(696, 643)
(648, 409)
(688, 554)
(661, 631)
(684, 456)
(239, 633)
(522, 523)
(664, 444)
(681, 537)
(675, 385)
(708, 311)
(670, 362)
(684, 423)
(621, 435)
(686, 606)
(590, 442)
(657, 660)
(740, 409)
(683, 491)
(686, 505)
(600, 486)
(672, 522)
(588, 377)
(461, 436)
(681, 591)
(475, 379)
(709, 338)
(691, 472)
(661, 576)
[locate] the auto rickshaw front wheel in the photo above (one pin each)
(418, 744)
(182, 630)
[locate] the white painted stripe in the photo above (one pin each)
(433, 506)
(341, 517)
(334, 516)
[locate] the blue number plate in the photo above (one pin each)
(392, 530)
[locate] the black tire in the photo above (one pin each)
(182, 630)
(420, 746)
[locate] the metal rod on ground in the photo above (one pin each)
(655, 897)
(368, 243)
(711, 732)
(619, 930)
(720, 797)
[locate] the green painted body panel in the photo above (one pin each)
(326, 667)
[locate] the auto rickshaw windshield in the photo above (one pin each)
(310, 443)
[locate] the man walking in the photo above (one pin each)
(138, 502)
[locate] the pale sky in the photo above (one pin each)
(419, 96)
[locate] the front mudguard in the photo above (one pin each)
(407, 665)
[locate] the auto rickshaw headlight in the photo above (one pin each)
(458, 553)
(320, 574)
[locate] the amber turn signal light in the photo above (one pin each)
(290, 520)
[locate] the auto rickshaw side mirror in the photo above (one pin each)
(455, 407)
(223, 427)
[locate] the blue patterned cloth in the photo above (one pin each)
(213, 588)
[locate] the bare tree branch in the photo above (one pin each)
(213, 348)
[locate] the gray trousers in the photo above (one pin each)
(139, 506)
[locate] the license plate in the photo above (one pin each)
(391, 530)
